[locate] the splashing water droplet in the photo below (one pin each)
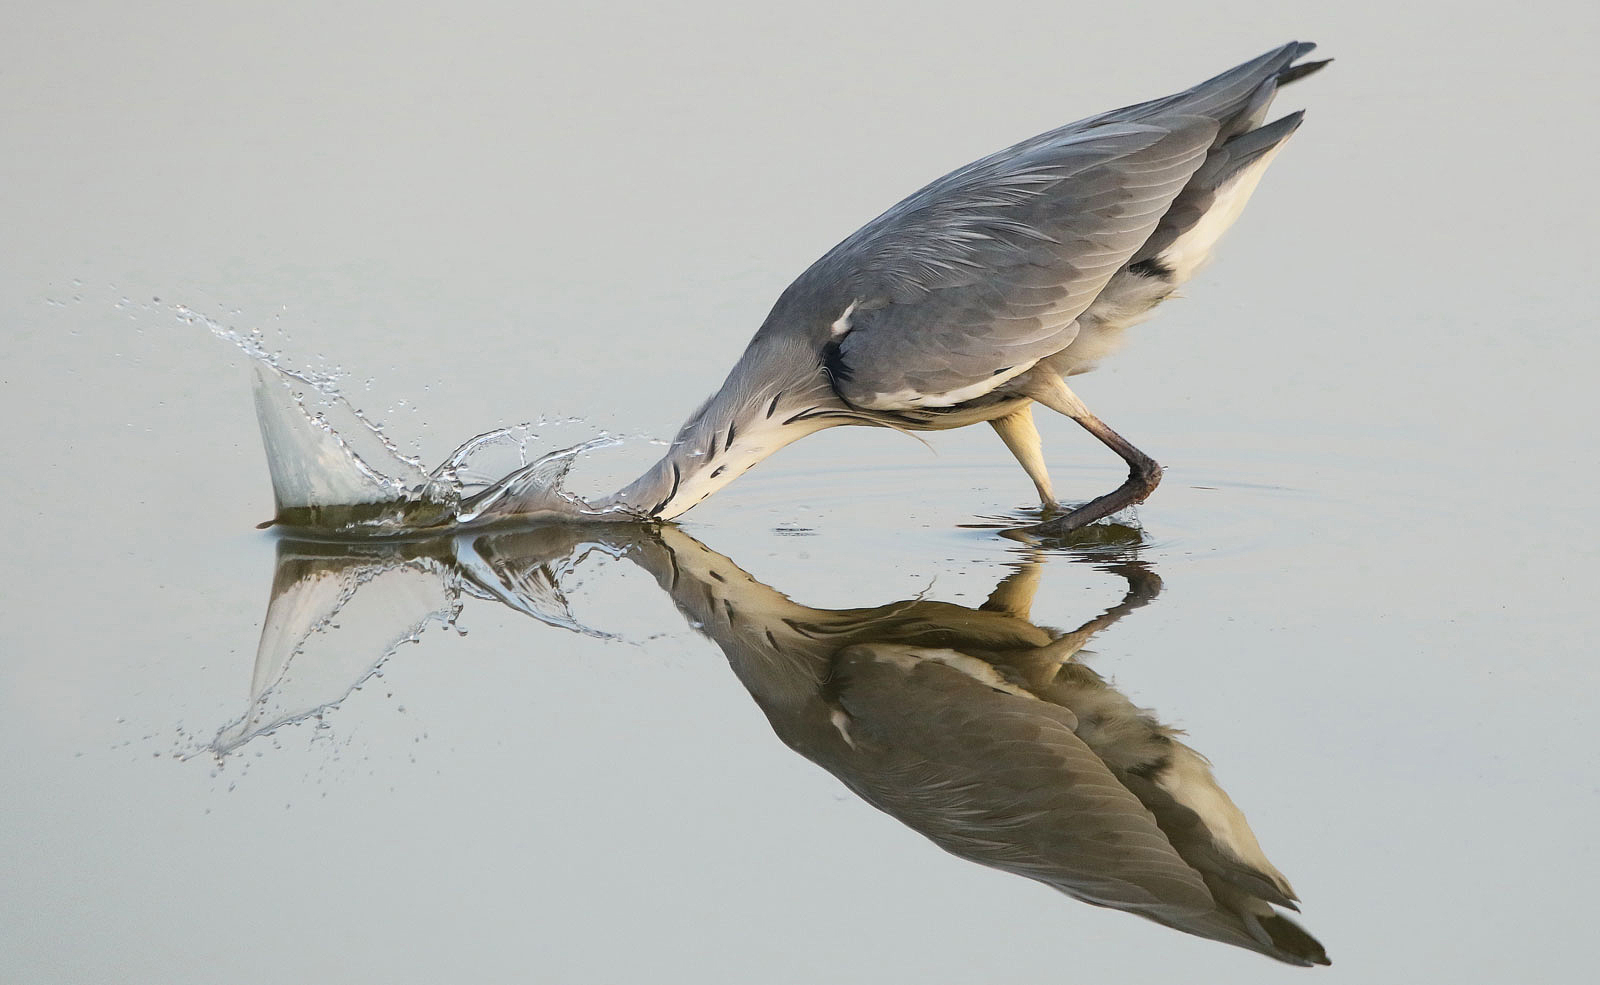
(334, 470)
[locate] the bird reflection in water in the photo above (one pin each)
(975, 727)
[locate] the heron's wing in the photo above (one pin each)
(992, 774)
(1235, 98)
(979, 275)
(971, 280)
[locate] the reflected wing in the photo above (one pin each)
(992, 774)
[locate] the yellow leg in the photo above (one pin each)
(1018, 432)
(1143, 472)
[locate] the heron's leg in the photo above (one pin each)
(1040, 666)
(1016, 429)
(1143, 472)
(1014, 595)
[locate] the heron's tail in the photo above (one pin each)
(1211, 202)
(1294, 73)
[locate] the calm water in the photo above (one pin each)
(1366, 582)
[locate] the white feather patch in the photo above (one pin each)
(909, 398)
(750, 447)
(841, 325)
(1189, 252)
(908, 657)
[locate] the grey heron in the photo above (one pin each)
(975, 727)
(974, 298)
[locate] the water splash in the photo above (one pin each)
(332, 623)
(332, 469)
(335, 471)
(340, 610)
(538, 489)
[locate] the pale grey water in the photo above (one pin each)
(1375, 532)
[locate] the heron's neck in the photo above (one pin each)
(774, 645)
(776, 395)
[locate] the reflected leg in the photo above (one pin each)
(1014, 595)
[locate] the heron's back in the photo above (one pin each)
(960, 289)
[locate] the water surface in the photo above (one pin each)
(1374, 540)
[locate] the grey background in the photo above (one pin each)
(1375, 530)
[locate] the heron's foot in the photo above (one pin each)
(1143, 584)
(1103, 538)
(1141, 482)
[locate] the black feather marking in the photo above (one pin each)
(1291, 939)
(1295, 72)
(1149, 770)
(727, 442)
(772, 408)
(676, 476)
(716, 576)
(718, 471)
(833, 364)
(811, 412)
(772, 640)
(1151, 267)
(797, 627)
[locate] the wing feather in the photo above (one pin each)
(975, 277)
(985, 270)
(999, 777)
